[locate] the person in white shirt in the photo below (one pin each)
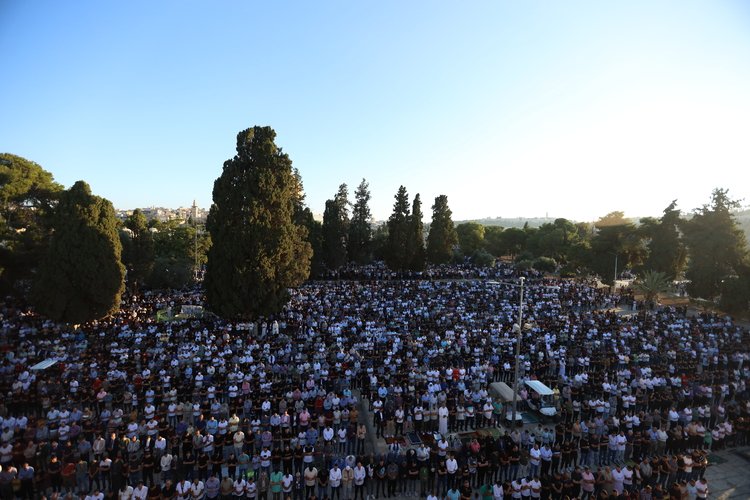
(197, 489)
(334, 480)
(497, 490)
(516, 486)
(525, 488)
(183, 490)
(701, 488)
(125, 493)
(140, 492)
(165, 462)
(618, 477)
(240, 485)
(535, 456)
(535, 487)
(451, 466)
(360, 474)
(95, 495)
(628, 478)
(328, 434)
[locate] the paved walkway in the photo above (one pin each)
(730, 479)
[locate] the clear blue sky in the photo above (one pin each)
(511, 108)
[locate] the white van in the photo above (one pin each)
(541, 398)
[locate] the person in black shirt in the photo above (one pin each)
(203, 460)
(546, 492)
(412, 474)
(188, 466)
(287, 456)
(556, 457)
(569, 487)
(515, 462)
(466, 490)
(169, 490)
(585, 448)
(232, 465)
(148, 469)
(557, 484)
(217, 462)
(566, 454)
(604, 450)
(54, 470)
(576, 476)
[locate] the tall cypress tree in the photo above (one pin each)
(81, 277)
(397, 253)
(257, 251)
(416, 236)
(336, 229)
(667, 252)
(443, 237)
(360, 232)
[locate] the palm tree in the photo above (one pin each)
(651, 284)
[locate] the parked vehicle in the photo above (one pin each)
(541, 398)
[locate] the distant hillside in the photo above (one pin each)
(742, 217)
(515, 222)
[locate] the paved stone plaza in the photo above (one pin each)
(730, 479)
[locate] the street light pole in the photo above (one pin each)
(519, 331)
(195, 240)
(614, 283)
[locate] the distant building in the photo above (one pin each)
(162, 214)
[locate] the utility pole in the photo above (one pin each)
(614, 283)
(195, 238)
(519, 334)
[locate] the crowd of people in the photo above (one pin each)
(372, 386)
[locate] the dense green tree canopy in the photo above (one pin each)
(716, 243)
(553, 240)
(24, 184)
(257, 251)
(137, 249)
(360, 231)
(442, 238)
(81, 277)
(666, 250)
(28, 194)
(515, 240)
(416, 236)
(397, 252)
(617, 243)
(336, 229)
(314, 228)
(470, 237)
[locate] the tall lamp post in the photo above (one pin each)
(195, 240)
(518, 329)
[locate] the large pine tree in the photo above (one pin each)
(716, 243)
(360, 232)
(336, 229)
(258, 251)
(27, 199)
(81, 277)
(666, 251)
(416, 236)
(442, 238)
(397, 251)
